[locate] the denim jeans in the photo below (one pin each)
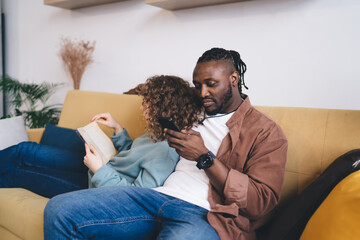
(45, 170)
(124, 213)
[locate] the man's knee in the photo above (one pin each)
(53, 210)
(58, 211)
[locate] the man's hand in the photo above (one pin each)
(188, 143)
(92, 158)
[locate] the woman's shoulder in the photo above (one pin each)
(146, 140)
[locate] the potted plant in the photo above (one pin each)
(29, 100)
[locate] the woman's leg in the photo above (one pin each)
(48, 157)
(43, 169)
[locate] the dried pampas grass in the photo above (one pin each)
(76, 56)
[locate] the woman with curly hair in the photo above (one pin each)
(148, 160)
(145, 162)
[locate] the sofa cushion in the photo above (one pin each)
(338, 216)
(64, 138)
(22, 213)
(291, 219)
(5, 234)
(12, 131)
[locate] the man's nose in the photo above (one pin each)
(204, 91)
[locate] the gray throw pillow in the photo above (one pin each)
(12, 131)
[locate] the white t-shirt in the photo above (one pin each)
(187, 182)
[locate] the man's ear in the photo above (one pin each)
(234, 78)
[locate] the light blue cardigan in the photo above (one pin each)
(140, 163)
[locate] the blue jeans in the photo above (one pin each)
(124, 213)
(42, 169)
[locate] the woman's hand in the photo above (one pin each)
(92, 158)
(108, 120)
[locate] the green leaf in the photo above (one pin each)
(27, 98)
(5, 116)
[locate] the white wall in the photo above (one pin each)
(299, 52)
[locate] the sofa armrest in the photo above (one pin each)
(35, 134)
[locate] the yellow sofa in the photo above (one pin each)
(316, 138)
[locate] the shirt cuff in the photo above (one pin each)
(236, 188)
(99, 176)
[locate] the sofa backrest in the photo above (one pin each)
(80, 106)
(316, 136)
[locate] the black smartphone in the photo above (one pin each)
(168, 122)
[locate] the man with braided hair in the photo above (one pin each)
(227, 181)
(241, 151)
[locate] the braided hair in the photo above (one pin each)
(216, 54)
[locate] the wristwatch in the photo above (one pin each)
(206, 160)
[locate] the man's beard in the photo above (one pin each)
(225, 100)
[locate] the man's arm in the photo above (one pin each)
(255, 189)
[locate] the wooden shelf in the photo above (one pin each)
(74, 4)
(182, 4)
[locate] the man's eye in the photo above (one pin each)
(211, 84)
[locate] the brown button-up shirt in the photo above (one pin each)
(255, 151)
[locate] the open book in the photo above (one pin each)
(93, 135)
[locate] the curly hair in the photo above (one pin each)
(169, 96)
(135, 90)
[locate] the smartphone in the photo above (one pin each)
(168, 122)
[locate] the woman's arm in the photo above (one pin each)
(150, 172)
(121, 141)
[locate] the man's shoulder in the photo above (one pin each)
(257, 119)
(254, 114)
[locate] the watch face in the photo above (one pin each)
(206, 160)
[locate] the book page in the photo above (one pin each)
(93, 135)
